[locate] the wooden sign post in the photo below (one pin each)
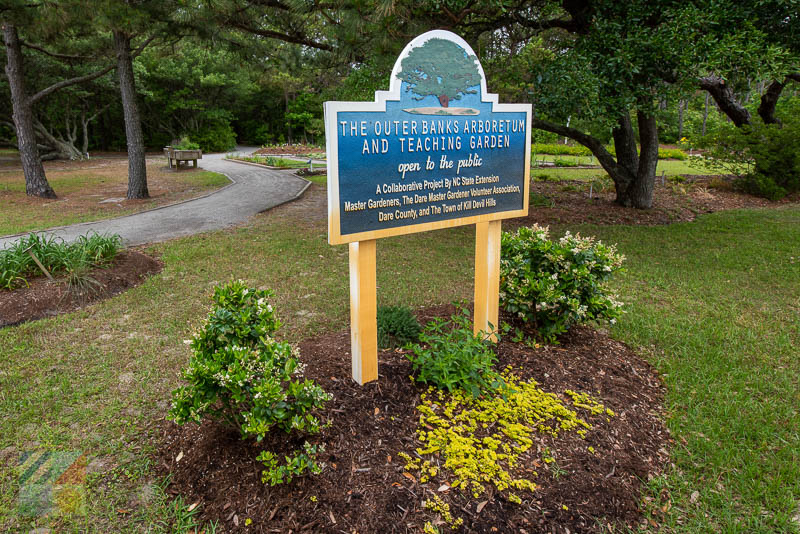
(434, 151)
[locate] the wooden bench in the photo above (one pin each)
(175, 156)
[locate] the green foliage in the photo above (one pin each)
(554, 285)
(241, 376)
(271, 161)
(671, 153)
(559, 149)
(765, 157)
(215, 136)
(396, 327)
(452, 357)
(561, 162)
(76, 259)
(187, 144)
(440, 68)
(580, 150)
(295, 465)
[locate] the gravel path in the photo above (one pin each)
(253, 190)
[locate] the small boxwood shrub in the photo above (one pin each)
(452, 357)
(239, 375)
(396, 327)
(553, 285)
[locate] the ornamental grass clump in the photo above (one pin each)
(239, 375)
(75, 259)
(554, 285)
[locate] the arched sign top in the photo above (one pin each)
(447, 50)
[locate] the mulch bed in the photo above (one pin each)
(363, 488)
(568, 202)
(46, 298)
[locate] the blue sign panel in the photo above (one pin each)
(434, 151)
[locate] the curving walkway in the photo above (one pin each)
(253, 190)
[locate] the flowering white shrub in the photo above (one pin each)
(556, 284)
(241, 376)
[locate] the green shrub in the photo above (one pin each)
(559, 149)
(671, 153)
(580, 150)
(397, 326)
(561, 162)
(553, 285)
(765, 157)
(453, 357)
(239, 375)
(186, 144)
(215, 136)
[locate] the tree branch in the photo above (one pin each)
(66, 83)
(282, 36)
(725, 99)
(766, 110)
(592, 143)
(135, 53)
(52, 54)
(86, 78)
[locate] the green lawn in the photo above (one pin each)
(716, 306)
(671, 167)
(713, 304)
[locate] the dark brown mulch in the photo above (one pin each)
(363, 488)
(568, 202)
(46, 298)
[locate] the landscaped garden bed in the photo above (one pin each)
(676, 200)
(365, 486)
(42, 277)
(300, 150)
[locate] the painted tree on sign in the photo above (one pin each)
(440, 68)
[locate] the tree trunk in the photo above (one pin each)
(57, 148)
(681, 107)
(444, 100)
(634, 175)
(137, 169)
(766, 110)
(35, 180)
(624, 172)
(286, 110)
(633, 178)
(640, 192)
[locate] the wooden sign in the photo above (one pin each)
(434, 151)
